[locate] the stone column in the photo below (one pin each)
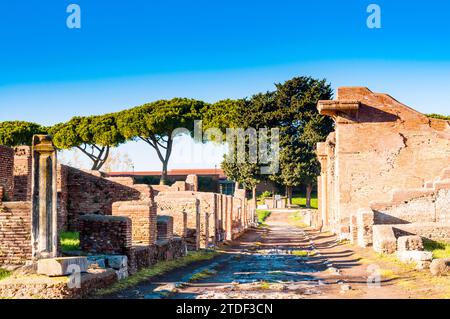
(198, 225)
(44, 210)
(229, 218)
(323, 187)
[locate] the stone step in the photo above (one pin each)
(429, 185)
(405, 195)
(380, 206)
(442, 184)
(445, 173)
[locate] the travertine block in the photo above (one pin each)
(61, 266)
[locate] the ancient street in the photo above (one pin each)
(279, 261)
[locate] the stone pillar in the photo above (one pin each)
(198, 224)
(44, 211)
(192, 181)
(323, 186)
(229, 219)
(365, 222)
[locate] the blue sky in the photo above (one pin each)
(131, 52)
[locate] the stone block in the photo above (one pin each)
(364, 222)
(384, 240)
(423, 264)
(414, 256)
(117, 262)
(61, 266)
(440, 267)
(405, 243)
(122, 274)
(96, 262)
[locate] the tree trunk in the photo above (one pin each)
(98, 160)
(273, 196)
(289, 195)
(163, 180)
(309, 188)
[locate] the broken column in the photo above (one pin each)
(44, 210)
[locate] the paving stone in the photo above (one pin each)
(170, 287)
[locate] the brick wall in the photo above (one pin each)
(105, 234)
(15, 233)
(378, 145)
(62, 197)
(220, 216)
(90, 193)
(164, 225)
(182, 209)
(22, 173)
(143, 218)
(7, 172)
(145, 256)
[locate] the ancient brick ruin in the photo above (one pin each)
(114, 215)
(384, 171)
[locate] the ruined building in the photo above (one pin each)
(385, 171)
(40, 198)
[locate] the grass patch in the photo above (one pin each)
(300, 253)
(296, 219)
(387, 274)
(264, 285)
(4, 273)
(301, 201)
(156, 270)
(202, 275)
(70, 241)
(439, 249)
(262, 215)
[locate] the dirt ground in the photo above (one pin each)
(282, 260)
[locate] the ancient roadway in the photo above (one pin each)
(279, 261)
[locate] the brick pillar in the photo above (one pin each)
(143, 220)
(22, 173)
(229, 218)
(7, 172)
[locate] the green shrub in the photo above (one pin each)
(439, 116)
(439, 249)
(4, 273)
(262, 216)
(264, 195)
